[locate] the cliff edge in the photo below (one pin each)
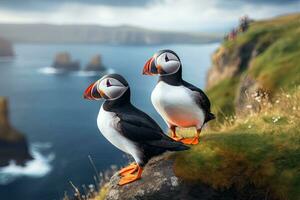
(160, 182)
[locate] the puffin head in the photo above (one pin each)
(109, 87)
(163, 62)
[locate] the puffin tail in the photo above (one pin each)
(180, 147)
(210, 116)
(177, 146)
(169, 145)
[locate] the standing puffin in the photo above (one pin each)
(126, 127)
(180, 103)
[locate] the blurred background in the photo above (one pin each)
(51, 50)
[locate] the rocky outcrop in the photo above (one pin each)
(63, 61)
(230, 63)
(227, 62)
(13, 145)
(159, 182)
(95, 64)
(6, 48)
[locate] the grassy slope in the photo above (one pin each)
(276, 67)
(262, 150)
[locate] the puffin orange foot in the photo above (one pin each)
(129, 178)
(128, 170)
(191, 141)
(176, 138)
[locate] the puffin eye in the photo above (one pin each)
(108, 84)
(166, 58)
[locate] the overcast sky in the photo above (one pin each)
(179, 15)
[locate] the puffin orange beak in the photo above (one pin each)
(91, 93)
(149, 68)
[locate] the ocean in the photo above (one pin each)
(60, 125)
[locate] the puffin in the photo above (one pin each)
(179, 103)
(128, 128)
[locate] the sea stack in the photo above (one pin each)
(13, 144)
(63, 61)
(6, 48)
(95, 64)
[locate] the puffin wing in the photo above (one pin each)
(202, 100)
(141, 128)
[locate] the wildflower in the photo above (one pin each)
(249, 106)
(275, 119)
(277, 101)
(294, 107)
(249, 126)
(288, 96)
(258, 98)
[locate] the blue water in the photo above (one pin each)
(50, 109)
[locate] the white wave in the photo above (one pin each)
(93, 73)
(51, 71)
(36, 168)
(86, 73)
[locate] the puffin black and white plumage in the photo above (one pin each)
(126, 127)
(180, 103)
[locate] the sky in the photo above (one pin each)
(174, 15)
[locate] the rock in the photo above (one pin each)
(249, 95)
(13, 145)
(225, 65)
(231, 63)
(159, 182)
(95, 64)
(228, 63)
(63, 61)
(6, 48)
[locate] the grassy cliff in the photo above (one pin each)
(268, 53)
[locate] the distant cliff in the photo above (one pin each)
(46, 33)
(13, 145)
(259, 62)
(6, 48)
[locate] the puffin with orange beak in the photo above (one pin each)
(180, 103)
(128, 128)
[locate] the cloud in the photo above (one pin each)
(180, 15)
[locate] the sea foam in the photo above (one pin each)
(36, 168)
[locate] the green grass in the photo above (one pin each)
(261, 149)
